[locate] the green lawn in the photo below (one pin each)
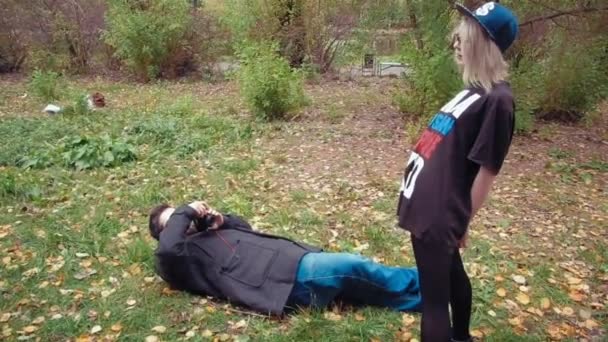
(77, 261)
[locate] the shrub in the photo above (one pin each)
(561, 80)
(527, 89)
(434, 78)
(144, 34)
(44, 84)
(12, 50)
(47, 136)
(86, 153)
(79, 106)
(433, 81)
(316, 32)
(574, 80)
(40, 160)
(157, 130)
(270, 87)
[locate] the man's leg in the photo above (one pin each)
(322, 277)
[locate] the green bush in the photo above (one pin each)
(527, 90)
(157, 130)
(433, 79)
(575, 80)
(79, 106)
(44, 84)
(270, 87)
(14, 187)
(562, 80)
(47, 133)
(145, 34)
(86, 152)
(39, 160)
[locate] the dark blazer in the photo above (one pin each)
(233, 262)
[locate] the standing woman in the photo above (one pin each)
(453, 165)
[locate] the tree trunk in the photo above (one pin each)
(414, 24)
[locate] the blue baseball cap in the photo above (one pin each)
(497, 20)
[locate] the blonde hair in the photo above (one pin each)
(483, 63)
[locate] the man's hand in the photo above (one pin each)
(200, 207)
(464, 242)
(218, 218)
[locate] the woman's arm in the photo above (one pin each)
(479, 192)
(481, 188)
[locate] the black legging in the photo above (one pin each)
(443, 282)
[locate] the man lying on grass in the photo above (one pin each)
(204, 252)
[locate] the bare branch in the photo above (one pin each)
(563, 13)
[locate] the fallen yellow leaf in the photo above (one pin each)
(521, 280)
(591, 324)
(240, 324)
(332, 316)
(523, 298)
(408, 319)
(159, 329)
(5, 317)
(30, 329)
(84, 338)
(134, 269)
(568, 311)
(501, 292)
(116, 327)
(516, 321)
(545, 303)
(152, 338)
(576, 296)
(359, 317)
(477, 333)
(168, 291)
(405, 336)
(554, 331)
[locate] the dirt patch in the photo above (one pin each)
(368, 145)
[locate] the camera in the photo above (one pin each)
(204, 223)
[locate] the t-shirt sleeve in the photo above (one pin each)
(495, 134)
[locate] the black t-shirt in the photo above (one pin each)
(474, 129)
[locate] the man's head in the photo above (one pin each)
(159, 216)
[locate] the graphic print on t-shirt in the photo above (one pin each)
(441, 125)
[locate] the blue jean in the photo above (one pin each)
(351, 278)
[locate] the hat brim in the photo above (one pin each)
(466, 12)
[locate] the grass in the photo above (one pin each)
(75, 250)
